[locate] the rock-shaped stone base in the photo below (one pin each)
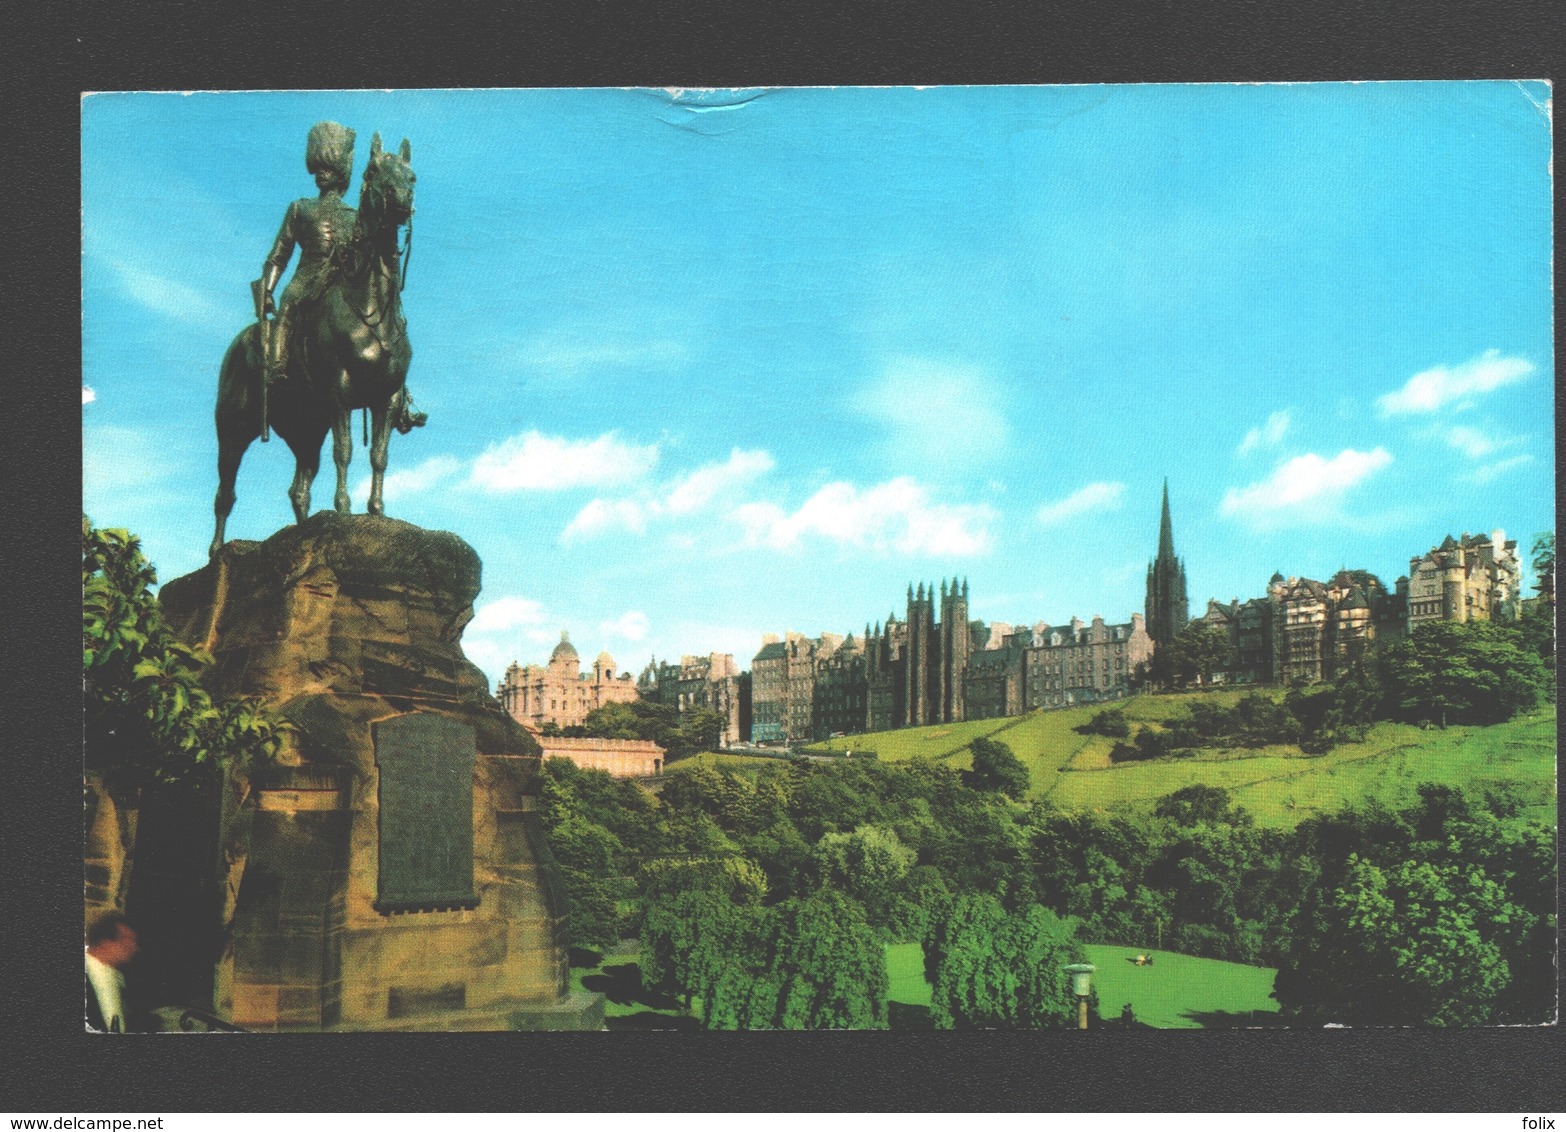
(344, 624)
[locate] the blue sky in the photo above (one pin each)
(704, 365)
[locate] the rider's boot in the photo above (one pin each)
(408, 418)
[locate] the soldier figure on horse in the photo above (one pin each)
(339, 342)
(319, 226)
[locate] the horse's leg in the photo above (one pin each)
(231, 450)
(237, 425)
(380, 441)
(342, 452)
(307, 462)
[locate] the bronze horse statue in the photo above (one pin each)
(352, 353)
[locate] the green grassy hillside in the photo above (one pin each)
(1280, 785)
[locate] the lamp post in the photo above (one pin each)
(1081, 986)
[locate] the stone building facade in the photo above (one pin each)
(935, 666)
(1300, 618)
(1249, 625)
(559, 692)
(769, 693)
(1472, 578)
(885, 686)
(994, 680)
(841, 692)
(712, 683)
(1084, 663)
(1304, 630)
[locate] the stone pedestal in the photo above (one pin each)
(351, 627)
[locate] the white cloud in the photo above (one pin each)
(707, 483)
(167, 297)
(1306, 489)
(1267, 435)
(411, 481)
(506, 614)
(1469, 441)
(897, 515)
(685, 496)
(88, 396)
(631, 625)
(534, 462)
(936, 413)
(1101, 496)
(602, 516)
(1441, 386)
(1475, 443)
(1490, 471)
(492, 639)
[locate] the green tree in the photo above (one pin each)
(147, 718)
(615, 721)
(869, 864)
(1401, 945)
(804, 964)
(1543, 561)
(1473, 672)
(738, 879)
(830, 966)
(691, 937)
(1198, 652)
(996, 769)
(999, 970)
(1111, 722)
(591, 858)
(1192, 804)
(699, 730)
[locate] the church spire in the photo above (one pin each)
(1166, 607)
(1165, 528)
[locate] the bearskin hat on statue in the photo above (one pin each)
(330, 151)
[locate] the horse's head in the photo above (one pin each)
(388, 183)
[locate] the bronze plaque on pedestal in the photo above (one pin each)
(426, 813)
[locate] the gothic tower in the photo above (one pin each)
(954, 650)
(1167, 610)
(916, 653)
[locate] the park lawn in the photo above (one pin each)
(627, 1004)
(905, 972)
(1181, 992)
(1178, 992)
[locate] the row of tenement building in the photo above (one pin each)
(935, 665)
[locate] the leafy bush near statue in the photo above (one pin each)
(146, 717)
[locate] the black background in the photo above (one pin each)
(51, 1066)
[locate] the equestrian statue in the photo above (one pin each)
(339, 341)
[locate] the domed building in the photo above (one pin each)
(560, 692)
